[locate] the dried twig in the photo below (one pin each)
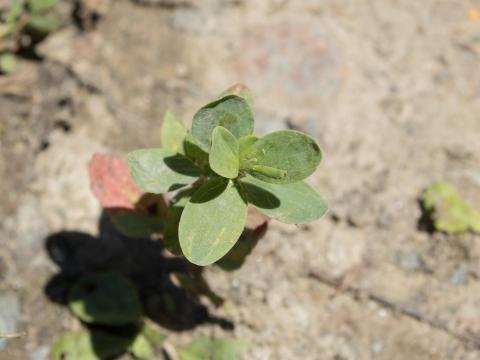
(13, 335)
(388, 304)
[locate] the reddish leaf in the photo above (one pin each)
(112, 183)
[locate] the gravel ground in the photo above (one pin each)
(391, 89)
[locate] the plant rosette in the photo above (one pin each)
(218, 169)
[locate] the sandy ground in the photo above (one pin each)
(391, 89)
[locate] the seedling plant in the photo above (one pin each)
(218, 168)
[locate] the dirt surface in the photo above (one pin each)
(391, 89)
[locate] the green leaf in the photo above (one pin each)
(449, 211)
(223, 157)
(255, 229)
(173, 132)
(37, 6)
(105, 298)
(291, 151)
(193, 150)
(5, 29)
(43, 23)
(154, 336)
(246, 142)
(232, 112)
(141, 348)
(296, 203)
(203, 348)
(8, 63)
(170, 234)
(136, 225)
(16, 8)
(96, 345)
(239, 90)
(160, 170)
(212, 222)
(267, 171)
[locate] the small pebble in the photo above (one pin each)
(410, 261)
(459, 277)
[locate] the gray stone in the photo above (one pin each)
(410, 260)
(345, 249)
(192, 20)
(29, 228)
(459, 277)
(40, 353)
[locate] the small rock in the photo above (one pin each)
(410, 261)
(376, 347)
(29, 227)
(9, 315)
(337, 347)
(459, 277)
(345, 251)
(192, 20)
(59, 47)
(40, 353)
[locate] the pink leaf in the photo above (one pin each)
(112, 183)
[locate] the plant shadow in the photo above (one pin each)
(425, 222)
(143, 261)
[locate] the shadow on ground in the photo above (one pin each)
(143, 261)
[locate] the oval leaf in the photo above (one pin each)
(212, 222)
(43, 23)
(296, 203)
(170, 233)
(160, 170)
(37, 6)
(255, 229)
(89, 346)
(112, 183)
(232, 112)
(193, 150)
(8, 63)
(203, 348)
(291, 151)
(246, 142)
(173, 132)
(105, 298)
(141, 348)
(223, 157)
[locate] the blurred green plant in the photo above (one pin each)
(203, 348)
(24, 22)
(108, 303)
(448, 211)
(225, 168)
